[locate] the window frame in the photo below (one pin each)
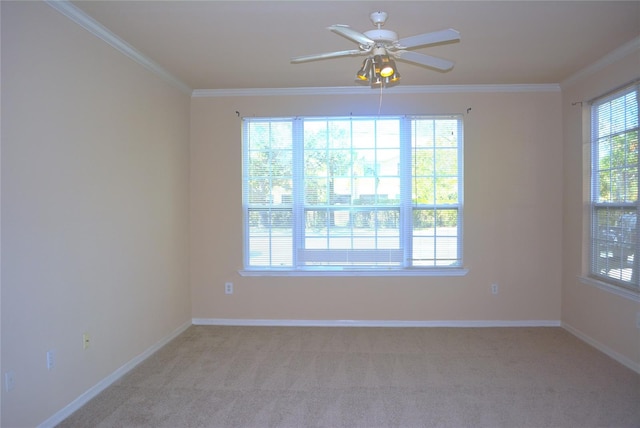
(405, 206)
(614, 240)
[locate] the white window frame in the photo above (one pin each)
(617, 271)
(406, 207)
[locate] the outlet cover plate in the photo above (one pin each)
(51, 359)
(9, 381)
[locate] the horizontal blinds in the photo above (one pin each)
(267, 188)
(614, 187)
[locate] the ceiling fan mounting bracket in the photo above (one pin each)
(379, 18)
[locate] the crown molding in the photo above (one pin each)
(612, 57)
(359, 90)
(72, 12)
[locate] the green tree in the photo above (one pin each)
(328, 157)
(618, 168)
(270, 171)
(435, 173)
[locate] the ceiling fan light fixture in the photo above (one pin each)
(377, 64)
(377, 81)
(388, 66)
(389, 69)
(392, 80)
(386, 71)
(382, 72)
(363, 75)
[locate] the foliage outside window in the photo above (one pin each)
(614, 188)
(354, 193)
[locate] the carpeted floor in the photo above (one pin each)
(220, 376)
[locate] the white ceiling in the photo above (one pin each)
(248, 44)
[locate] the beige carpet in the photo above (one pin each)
(216, 376)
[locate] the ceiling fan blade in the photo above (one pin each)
(327, 55)
(429, 38)
(351, 34)
(426, 60)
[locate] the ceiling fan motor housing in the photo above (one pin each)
(379, 35)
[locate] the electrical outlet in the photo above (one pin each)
(86, 340)
(494, 288)
(9, 381)
(228, 288)
(51, 359)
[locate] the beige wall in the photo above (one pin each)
(94, 210)
(512, 223)
(606, 319)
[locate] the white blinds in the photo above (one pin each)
(614, 187)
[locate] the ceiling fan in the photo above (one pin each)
(381, 46)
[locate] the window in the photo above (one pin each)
(614, 188)
(353, 193)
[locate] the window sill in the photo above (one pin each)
(619, 291)
(356, 272)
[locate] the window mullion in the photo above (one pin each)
(406, 175)
(245, 192)
(298, 214)
(460, 215)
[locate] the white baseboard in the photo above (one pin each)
(374, 323)
(107, 381)
(602, 348)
